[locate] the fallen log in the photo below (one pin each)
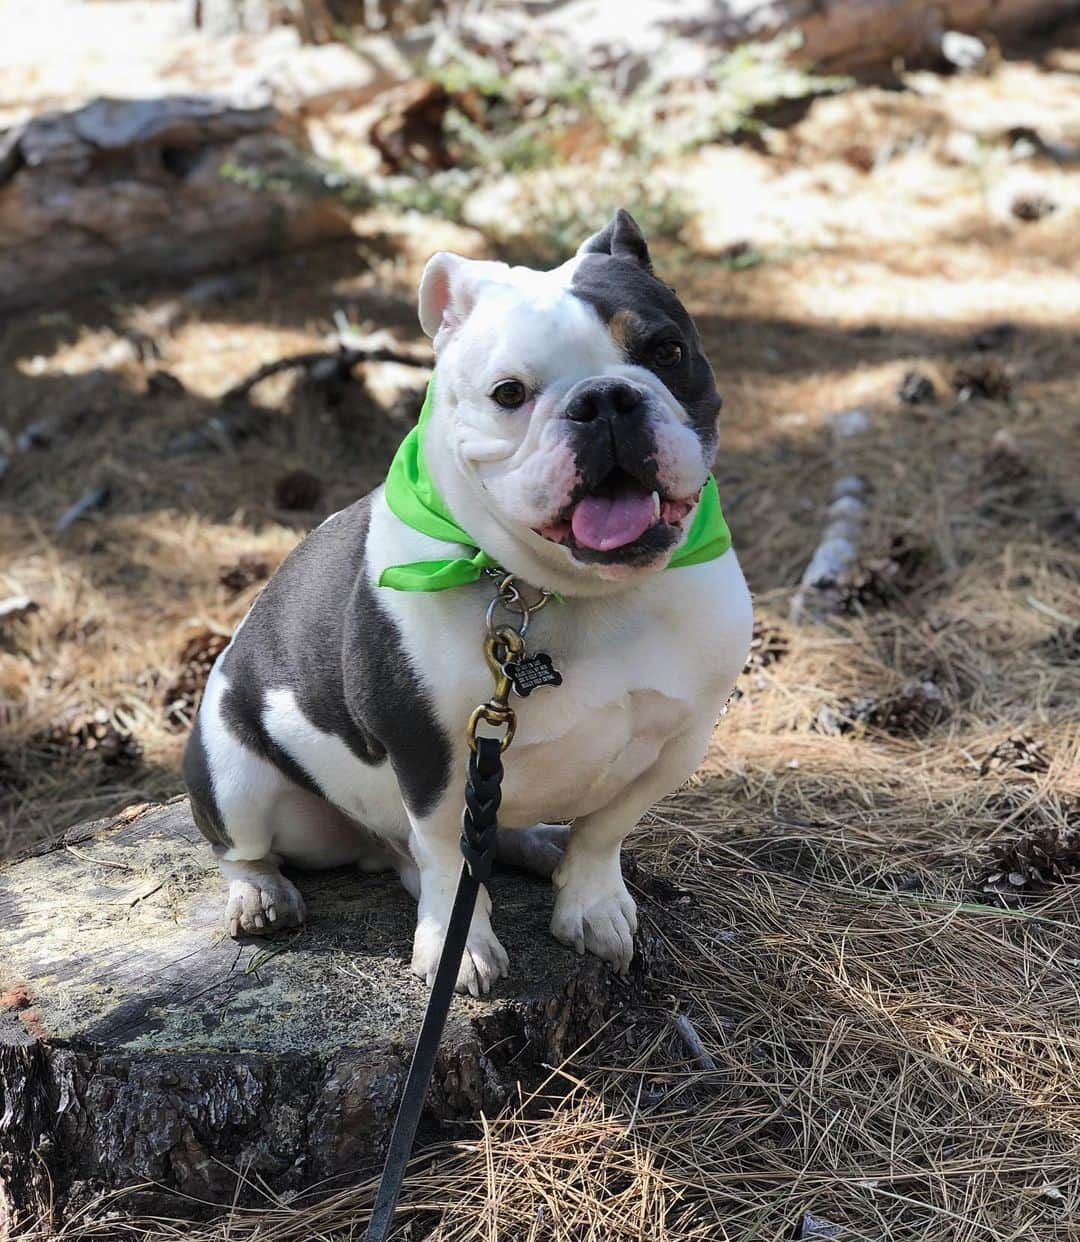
(142, 1048)
(130, 189)
(840, 36)
(836, 36)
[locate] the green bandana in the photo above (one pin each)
(412, 497)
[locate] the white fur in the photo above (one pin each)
(646, 673)
(505, 472)
(648, 657)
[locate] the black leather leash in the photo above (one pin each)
(511, 667)
(483, 790)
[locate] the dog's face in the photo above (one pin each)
(575, 420)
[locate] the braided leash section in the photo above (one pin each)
(479, 829)
(479, 820)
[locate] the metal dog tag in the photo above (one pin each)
(530, 672)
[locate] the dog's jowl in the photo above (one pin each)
(570, 430)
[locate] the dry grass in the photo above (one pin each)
(892, 1056)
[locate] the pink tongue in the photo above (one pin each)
(606, 522)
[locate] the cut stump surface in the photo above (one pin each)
(141, 1046)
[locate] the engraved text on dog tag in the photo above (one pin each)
(529, 672)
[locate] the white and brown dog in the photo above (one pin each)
(573, 428)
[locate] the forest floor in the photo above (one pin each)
(895, 1051)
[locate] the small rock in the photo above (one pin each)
(916, 388)
(963, 51)
(848, 485)
(849, 423)
(298, 490)
(812, 1226)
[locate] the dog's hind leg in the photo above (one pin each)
(261, 900)
(538, 849)
(237, 799)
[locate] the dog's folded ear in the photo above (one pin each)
(622, 239)
(449, 288)
(443, 302)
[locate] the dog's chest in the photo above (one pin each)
(624, 696)
(592, 754)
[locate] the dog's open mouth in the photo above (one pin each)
(616, 515)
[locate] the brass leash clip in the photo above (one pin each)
(500, 648)
(510, 664)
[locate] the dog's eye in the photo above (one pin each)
(668, 354)
(509, 394)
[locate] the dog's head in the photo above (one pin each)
(575, 417)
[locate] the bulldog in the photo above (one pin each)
(570, 431)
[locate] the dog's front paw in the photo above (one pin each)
(595, 912)
(260, 905)
(483, 963)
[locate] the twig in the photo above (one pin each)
(100, 862)
(692, 1040)
(96, 499)
(1051, 612)
(344, 359)
(819, 594)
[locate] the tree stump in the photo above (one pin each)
(141, 1047)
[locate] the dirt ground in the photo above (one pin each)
(894, 1052)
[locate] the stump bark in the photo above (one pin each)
(140, 1047)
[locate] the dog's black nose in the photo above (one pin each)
(603, 397)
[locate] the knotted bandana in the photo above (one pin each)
(414, 499)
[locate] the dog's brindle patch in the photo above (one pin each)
(342, 656)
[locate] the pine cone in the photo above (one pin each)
(197, 658)
(246, 572)
(914, 708)
(1019, 753)
(875, 582)
(916, 388)
(767, 646)
(91, 733)
(982, 375)
(1062, 646)
(299, 489)
(1033, 865)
